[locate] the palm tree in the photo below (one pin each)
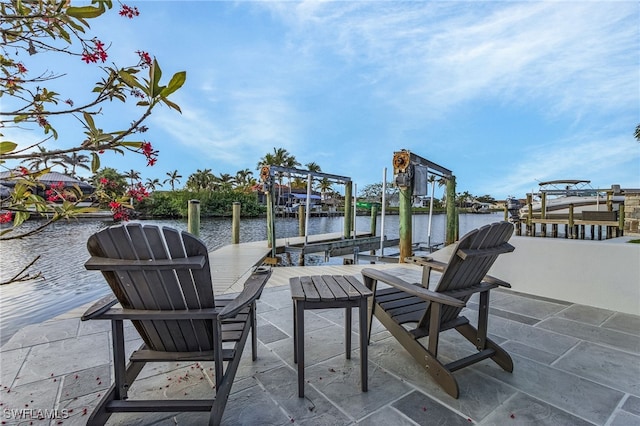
(173, 178)
(151, 184)
(75, 160)
(133, 175)
(244, 180)
(41, 158)
(325, 186)
(201, 180)
(298, 183)
(313, 167)
(225, 181)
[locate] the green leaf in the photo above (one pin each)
(6, 147)
(63, 33)
(172, 105)
(155, 73)
(129, 79)
(95, 162)
(89, 120)
(131, 144)
(85, 12)
(143, 103)
(19, 118)
(75, 26)
(19, 218)
(176, 82)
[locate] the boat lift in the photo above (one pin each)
(349, 243)
(412, 175)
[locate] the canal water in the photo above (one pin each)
(65, 284)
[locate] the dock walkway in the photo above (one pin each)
(232, 264)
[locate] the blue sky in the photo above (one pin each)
(504, 94)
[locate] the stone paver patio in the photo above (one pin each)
(574, 365)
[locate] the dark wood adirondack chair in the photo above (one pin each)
(439, 310)
(162, 281)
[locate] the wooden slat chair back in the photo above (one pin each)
(159, 289)
(470, 262)
(162, 281)
(435, 311)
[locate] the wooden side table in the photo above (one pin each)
(329, 291)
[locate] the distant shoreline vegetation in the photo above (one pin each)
(174, 204)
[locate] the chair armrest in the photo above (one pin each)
(109, 264)
(493, 280)
(428, 262)
(490, 251)
(141, 314)
(99, 308)
(252, 290)
(413, 289)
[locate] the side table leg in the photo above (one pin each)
(347, 331)
(299, 349)
(364, 350)
(295, 333)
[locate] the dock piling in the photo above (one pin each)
(193, 217)
(235, 223)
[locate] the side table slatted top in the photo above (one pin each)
(329, 291)
(318, 288)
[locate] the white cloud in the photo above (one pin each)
(436, 55)
(236, 127)
(590, 157)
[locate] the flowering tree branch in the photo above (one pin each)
(31, 27)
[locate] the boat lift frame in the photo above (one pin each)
(411, 173)
(267, 175)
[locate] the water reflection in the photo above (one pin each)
(66, 284)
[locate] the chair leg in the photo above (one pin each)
(254, 332)
(500, 356)
(435, 368)
(224, 384)
(100, 415)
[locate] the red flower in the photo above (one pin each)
(23, 170)
(88, 57)
(114, 205)
(145, 58)
(139, 192)
(128, 11)
(21, 68)
(6, 217)
(147, 150)
(98, 54)
(104, 181)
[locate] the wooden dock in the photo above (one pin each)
(232, 264)
(573, 228)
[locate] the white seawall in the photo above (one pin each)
(603, 274)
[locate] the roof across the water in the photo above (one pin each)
(563, 181)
